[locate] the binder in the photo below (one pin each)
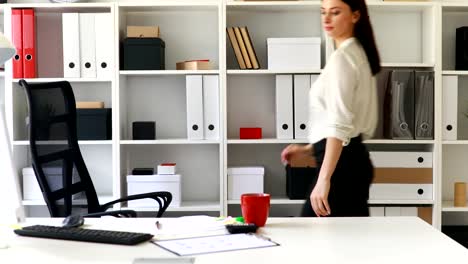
(399, 105)
(401, 159)
(194, 87)
(29, 41)
(377, 211)
(404, 191)
(104, 45)
(17, 39)
(284, 107)
(236, 48)
(392, 211)
(243, 49)
(302, 85)
(449, 107)
(424, 104)
(87, 46)
(71, 45)
(409, 211)
(211, 106)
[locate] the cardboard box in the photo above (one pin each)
(89, 105)
(138, 184)
(244, 180)
(142, 32)
(194, 65)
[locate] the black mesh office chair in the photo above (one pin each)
(56, 156)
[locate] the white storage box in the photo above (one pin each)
(244, 180)
(138, 184)
(31, 189)
(167, 168)
(294, 53)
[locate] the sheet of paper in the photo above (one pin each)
(212, 244)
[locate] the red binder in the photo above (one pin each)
(17, 38)
(29, 49)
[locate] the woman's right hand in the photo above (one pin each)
(293, 149)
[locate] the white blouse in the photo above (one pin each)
(343, 100)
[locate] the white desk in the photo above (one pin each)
(303, 240)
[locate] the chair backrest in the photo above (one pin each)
(56, 156)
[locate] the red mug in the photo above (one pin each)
(255, 208)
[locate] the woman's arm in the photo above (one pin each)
(319, 196)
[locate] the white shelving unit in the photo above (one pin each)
(410, 35)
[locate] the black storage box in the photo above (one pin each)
(298, 181)
(458, 233)
(143, 171)
(144, 130)
(94, 124)
(143, 54)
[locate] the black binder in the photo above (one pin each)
(424, 105)
(399, 105)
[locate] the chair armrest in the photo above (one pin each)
(117, 213)
(163, 198)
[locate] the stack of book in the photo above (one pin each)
(243, 48)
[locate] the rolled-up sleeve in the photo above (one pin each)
(340, 91)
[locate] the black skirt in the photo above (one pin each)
(350, 182)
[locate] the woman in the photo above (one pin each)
(343, 111)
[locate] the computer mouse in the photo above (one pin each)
(73, 221)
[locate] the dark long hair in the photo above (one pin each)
(364, 33)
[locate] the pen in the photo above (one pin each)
(158, 225)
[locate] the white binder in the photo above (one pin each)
(399, 159)
(404, 191)
(409, 211)
(449, 107)
(284, 107)
(376, 211)
(301, 103)
(211, 106)
(87, 46)
(71, 45)
(392, 211)
(104, 45)
(194, 87)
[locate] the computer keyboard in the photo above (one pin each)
(87, 235)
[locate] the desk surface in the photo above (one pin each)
(303, 240)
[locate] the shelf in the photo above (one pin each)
(274, 201)
(447, 206)
(455, 142)
(59, 142)
(266, 71)
(274, 6)
(180, 5)
(184, 207)
(166, 72)
(289, 201)
(2, 74)
(407, 65)
(266, 141)
(65, 7)
(72, 80)
(102, 200)
(454, 7)
(454, 72)
(395, 141)
(400, 202)
(168, 141)
(399, 6)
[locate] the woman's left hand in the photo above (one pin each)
(319, 197)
